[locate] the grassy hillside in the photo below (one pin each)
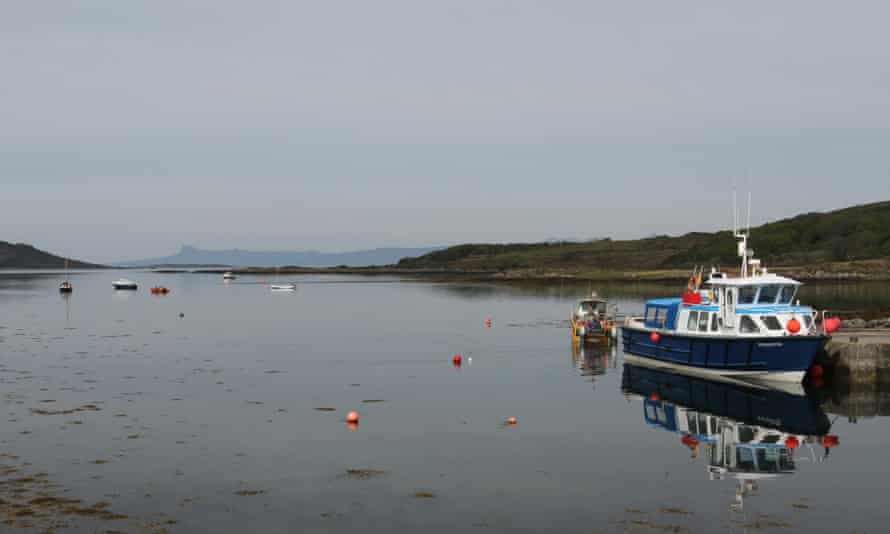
(850, 234)
(22, 256)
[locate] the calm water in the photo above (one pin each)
(210, 419)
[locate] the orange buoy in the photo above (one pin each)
(511, 421)
(654, 337)
(352, 426)
(793, 326)
(457, 359)
(792, 442)
(352, 418)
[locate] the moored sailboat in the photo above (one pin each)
(65, 286)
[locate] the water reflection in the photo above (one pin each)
(594, 360)
(66, 298)
(745, 433)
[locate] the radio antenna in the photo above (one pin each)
(735, 215)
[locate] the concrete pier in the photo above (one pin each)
(861, 356)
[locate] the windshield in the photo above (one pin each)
(768, 294)
(786, 294)
(747, 294)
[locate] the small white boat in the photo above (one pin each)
(123, 283)
(229, 276)
(283, 287)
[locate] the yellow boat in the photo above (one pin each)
(592, 322)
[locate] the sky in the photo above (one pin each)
(130, 128)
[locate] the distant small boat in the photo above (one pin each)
(66, 287)
(123, 283)
(229, 276)
(283, 287)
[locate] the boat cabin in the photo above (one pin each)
(591, 307)
(762, 305)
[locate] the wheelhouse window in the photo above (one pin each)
(747, 294)
(786, 294)
(703, 321)
(650, 315)
(768, 294)
(692, 322)
(747, 325)
(807, 321)
(771, 322)
(714, 326)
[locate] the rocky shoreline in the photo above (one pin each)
(858, 323)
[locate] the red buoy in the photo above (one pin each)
(830, 441)
(793, 326)
(816, 371)
(831, 324)
(654, 337)
(654, 396)
(352, 418)
(689, 441)
(792, 442)
(457, 359)
(511, 421)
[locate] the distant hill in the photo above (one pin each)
(22, 256)
(855, 233)
(189, 255)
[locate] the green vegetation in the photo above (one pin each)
(846, 235)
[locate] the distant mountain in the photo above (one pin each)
(189, 255)
(22, 256)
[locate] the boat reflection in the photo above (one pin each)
(592, 359)
(742, 431)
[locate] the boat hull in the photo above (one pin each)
(583, 333)
(127, 287)
(287, 287)
(784, 359)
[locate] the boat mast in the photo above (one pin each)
(743, 251)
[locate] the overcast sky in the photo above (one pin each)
(129, 128)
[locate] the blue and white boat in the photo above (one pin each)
(748, 327)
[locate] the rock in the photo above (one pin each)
(854, 323)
